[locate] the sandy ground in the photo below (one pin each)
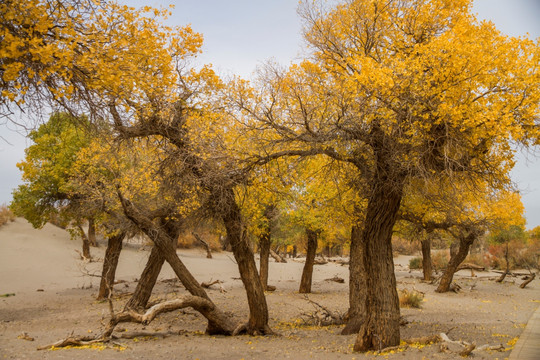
(54, 296)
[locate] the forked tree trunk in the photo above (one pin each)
(150, 274)
(234, 225)
(307, 273)
(165, 245)
(380, 328)
(427, 265)
(112, 254)
(456, 259)
(357, 284)
(264, 251)
(92, 232)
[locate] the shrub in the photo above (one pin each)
(6, 215)
(410, 298)
(415, 263)
(483, 260)
(405, 247)
(439, 259)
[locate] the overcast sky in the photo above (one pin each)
(241, 34)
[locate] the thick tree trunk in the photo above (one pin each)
(427, 265)
(112, 254)
(380, 328)
(357, 284)
(147, 281)
(232, 219)
(264, 248)
(465, 243)
(150, 274)
(307, 273)
(92, 232)
(165, 245)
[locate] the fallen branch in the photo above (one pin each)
(464, 266)
(322, 315)
(336, 279)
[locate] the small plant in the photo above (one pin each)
(6, 215)
(410, 299)
(415, 263)
(440, 259)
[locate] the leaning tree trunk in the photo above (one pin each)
(357, 285)
(507, 270)
(234, 225)
(307, 273)
(150, 274)
(112, 254)
(165, 245)
(380, 328)
(92, 232)
(427, 265)
(456, 259)
(264, 251)
(85, 244)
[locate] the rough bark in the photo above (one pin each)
(112, 254)
(164, 243)
(234, 225)
(264, 251)
(465, 243)
(307, 273)
(147, 281)
(357, 284)
(380, 327)
(427, 265)
(150, 274)
(92, 232)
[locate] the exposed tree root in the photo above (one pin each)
(530, 278)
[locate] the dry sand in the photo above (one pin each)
(55, 296)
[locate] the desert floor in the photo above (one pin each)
(52, 295)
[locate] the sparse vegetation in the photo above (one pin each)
(6, 216)
(411, 299)
(415, 263)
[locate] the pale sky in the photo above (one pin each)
(241, 34)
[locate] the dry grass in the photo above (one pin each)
(415, 263)
(410, 299)
(6, 216)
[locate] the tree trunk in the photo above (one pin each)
(205, 244)
(112, 254)
(92, 232)
(85, 243)
(264, 246)
(427, 265)
(380, 328)
(150, 274)
(465, 243)
(501, 278)
(232, 219)
(357, 284)
(307, 273)
(294, 251)
(164, 243)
